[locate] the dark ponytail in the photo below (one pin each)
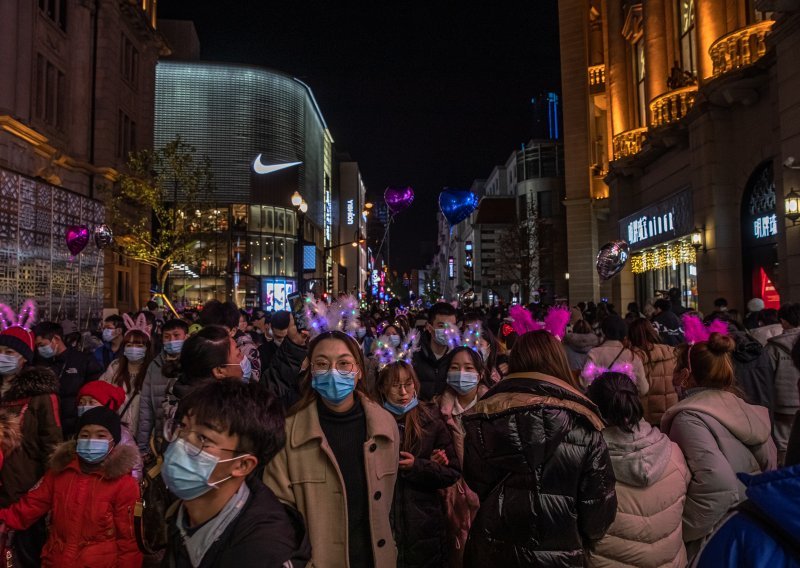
(617, 398)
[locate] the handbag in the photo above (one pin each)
(150, 511)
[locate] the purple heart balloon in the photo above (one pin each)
(611, 259)
(77, 237)
(457, 204)
(398, 199)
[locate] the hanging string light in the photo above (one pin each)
(669, 255)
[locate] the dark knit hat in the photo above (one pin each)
(20, 340)
(105, 417)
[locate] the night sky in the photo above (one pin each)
(419, 94)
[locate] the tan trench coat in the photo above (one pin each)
(305, 474)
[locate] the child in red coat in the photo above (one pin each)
(90, 494)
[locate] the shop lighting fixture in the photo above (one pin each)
(792, 206)
(297, 199)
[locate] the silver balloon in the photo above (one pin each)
(611, 259)
(103, 236)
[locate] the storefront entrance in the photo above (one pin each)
(760, 238)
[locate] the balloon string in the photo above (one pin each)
(94, 287)
(64, 290)
(386, 232)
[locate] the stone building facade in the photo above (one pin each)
(77, 96)
(679, 118)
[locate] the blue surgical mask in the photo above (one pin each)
(334, 386)
(8, 364)
(400, 410)
(186, 475)
(92, 450)
(46, 351)
(394, 340)
(135, 354)
(108, 335)
(247, 369)
(361, 332)
(462, 381)
(84, 409)
(173, 347)
(440, 336)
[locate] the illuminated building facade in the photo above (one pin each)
(678, 117)
(266, 139)
(76, 97)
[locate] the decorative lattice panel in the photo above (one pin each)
(34, 260)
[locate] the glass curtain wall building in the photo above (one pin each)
(266, 138)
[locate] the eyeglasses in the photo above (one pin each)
(196, 443)
(407, 387)
(344, 367)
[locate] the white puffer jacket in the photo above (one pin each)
(652, 479)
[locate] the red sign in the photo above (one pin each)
(771, 297)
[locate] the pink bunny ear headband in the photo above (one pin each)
(139, 325)
(555, 321)
(26, 318)
(694, 331)
(591, 371)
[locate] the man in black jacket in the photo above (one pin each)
(227, 517)
(428, 361)
(72, 367)
(282, 377)
(667, 323)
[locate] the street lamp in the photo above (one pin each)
(301, 208)
(697, 239)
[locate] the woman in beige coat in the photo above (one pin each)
(659, 365)
(340, 461)
(652, 479)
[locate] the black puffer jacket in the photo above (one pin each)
(282, 377)
(535, 456)
(418, 518)
(752, 370)
(430, 370)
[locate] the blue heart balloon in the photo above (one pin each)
(457, 205)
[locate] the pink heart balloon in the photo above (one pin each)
(77, 238)
(398, 199)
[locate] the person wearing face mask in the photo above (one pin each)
(226, 516)
(73, 369)
(719, 433)
(163, 368)
(428, 361)
(428, 463)
(535, 455)
(101, 393)
(29, 430)
(393, 336)
(112, 335)
(89, 495)
(466, 384)
(228, 315)
(340, 461)
(128, 372)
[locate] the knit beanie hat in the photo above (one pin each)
(105, 393)
(105, 417)
(20, 340)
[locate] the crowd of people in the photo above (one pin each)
(410, 437)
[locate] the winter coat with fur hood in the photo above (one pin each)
(91, 522)
(30, 429)
(659, 365)
(720, 435)
(652, 479)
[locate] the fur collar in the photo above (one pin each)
(32, 381)
(120, 462)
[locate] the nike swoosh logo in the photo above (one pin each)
(261, 168)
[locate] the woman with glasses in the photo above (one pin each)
(128, 371)
(428, 463)
(339, 464)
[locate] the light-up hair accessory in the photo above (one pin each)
(591, 371)
(555, 321)
(386, 353)
(139, 325)
(26, 318)
(342, 315)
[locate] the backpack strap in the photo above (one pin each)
(771, 527)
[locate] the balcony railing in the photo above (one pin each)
(739, 48)
(629, 142)
(597, 78)
(672, 106)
